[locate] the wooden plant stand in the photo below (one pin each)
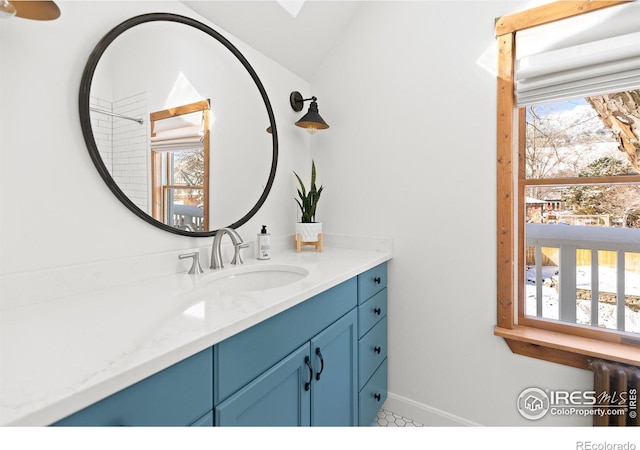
(300, 243)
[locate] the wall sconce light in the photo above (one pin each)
(311, 121)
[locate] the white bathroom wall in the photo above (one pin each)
(411, 154)
(56, 210)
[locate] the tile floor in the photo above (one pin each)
(389, 419)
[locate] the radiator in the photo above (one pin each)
(617, 386)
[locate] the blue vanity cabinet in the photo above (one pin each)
(179, 395)
(372, 343)
(314, 384)
(322, 362)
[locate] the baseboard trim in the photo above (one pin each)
(424, 414)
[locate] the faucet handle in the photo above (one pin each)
(237, 258)
(195, 265)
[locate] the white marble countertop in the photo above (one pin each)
(61, 355)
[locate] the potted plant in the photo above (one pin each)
(308, 231)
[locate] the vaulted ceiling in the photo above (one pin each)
(298, 43)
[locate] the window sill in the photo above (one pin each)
(574, 351)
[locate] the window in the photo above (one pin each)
(568, 206)
(581, 253)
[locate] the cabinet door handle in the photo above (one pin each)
(307, 384)
(377, 311)
(377, 396)
(319, 355)
(377, 280)
(377, 350)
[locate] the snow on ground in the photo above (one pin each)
(607, 283)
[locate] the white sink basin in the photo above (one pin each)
(253, 278)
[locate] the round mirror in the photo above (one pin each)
(178, 124)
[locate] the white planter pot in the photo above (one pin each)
(309, 231)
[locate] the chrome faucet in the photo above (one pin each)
(216, 252)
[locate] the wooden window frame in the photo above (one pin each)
(547, 340)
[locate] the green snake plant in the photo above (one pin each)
(308, 201)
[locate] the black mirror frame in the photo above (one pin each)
(85, 119)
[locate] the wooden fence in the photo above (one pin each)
(551, 257)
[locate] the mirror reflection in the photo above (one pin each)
(179, 124)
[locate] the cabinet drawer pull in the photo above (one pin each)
(377, 311)
(319, 355)
(307, 384)
(377, 280)
(377, 396)
(377, 350)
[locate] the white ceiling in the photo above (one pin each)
(298, 43)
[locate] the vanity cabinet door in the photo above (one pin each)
(244, 356)
(334, 391)
(315, 385)
(279, 397)
(204, 421)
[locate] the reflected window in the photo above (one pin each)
(180, 166)
(183, 191)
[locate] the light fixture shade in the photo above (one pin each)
(37, 10)
(312, 120)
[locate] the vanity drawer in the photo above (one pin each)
(371, 282)
(243, 357)
(177, 396)
(371, 311)
(372, 396)
(372, 350)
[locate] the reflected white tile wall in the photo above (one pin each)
(131, 149)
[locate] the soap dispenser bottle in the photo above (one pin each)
(264, 244)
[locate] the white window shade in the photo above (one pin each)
(598, 56)
(183, 133)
